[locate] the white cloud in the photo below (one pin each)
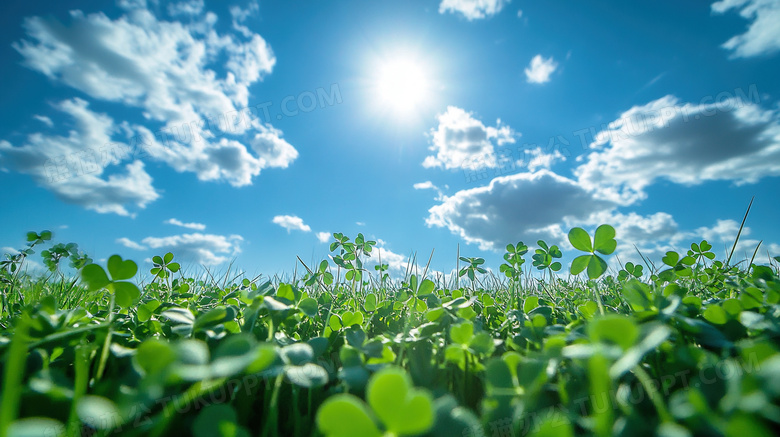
(198, 248)
(240, 15)
(271, 149)
(291, 223)
(323, 237)
(396, 262)
(523, 206)
(72, 167)
(540, 160)
(763, 35)
(540, 69)
(427, 185)
(221, 159)
(722, 236)
(176, 222)
(724, 230)
(129, 5)
(191, 7)
(686, 144)
(130, 244)
(460, 141)
(44, 119)
(160, 66)
(473, 9)
(519, 13)
(8, 250)
(168, 70)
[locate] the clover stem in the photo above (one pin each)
(652, 393)
(13, 374)
(465, 376)
(79, 385)
(273, 416)
(106, 342)
(597, 298)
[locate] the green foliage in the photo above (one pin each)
(544, 257)
(473, 266)
(514, 260)
(58, 252)
(344, 351)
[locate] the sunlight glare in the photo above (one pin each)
(402, 86)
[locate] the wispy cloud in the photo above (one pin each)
(763, 35)
(44, 119)
(130, 244)
(208, 249)
(176, 222)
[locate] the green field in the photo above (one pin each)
(681, 346)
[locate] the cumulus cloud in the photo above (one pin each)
(461, 140)
(523, 206)
(176, 222)
(207, 249)
(271, 149)
(213, 159)
(291, 223)
(323, 237)
(763, 34)
(540, 69)
(473, 9)
(168, 71)
(160, 66)
(70, 167)
(686, 144)
(731, 139)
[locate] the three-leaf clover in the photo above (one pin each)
(401, 409)
(126, 293)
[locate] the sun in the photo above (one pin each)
(402, 86)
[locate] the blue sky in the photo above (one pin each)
(248, 131)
